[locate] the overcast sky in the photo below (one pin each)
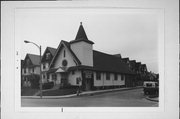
(132, 34)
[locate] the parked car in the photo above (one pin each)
(151, 88)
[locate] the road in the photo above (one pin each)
(128, 98)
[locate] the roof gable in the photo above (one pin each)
(67, 46)
(33, 60)
(52, 50)
(126, 60)
(48, 50)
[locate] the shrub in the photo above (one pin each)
(34, 79)
(48, 85)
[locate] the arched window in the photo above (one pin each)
(64, 53)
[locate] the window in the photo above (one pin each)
(32, 69)
(64, 53)
(44, 76)
(47, 65)
(115, 77)
(149, 85)
(47, 76)
(107, 76)
(64, 63)
(98, 76)
(24, 70)
(122, 77)
(44, 66)
(48, 56)
(73, 72)
(53, 76)
(77, 80)
(28, 61)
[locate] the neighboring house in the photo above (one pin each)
(133, 65)
(22, 61)
(75, 63)
(45, 62)
(138, 67)
(30, 67)
(118, 55)
(143, 69)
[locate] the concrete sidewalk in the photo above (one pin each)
(81, 94)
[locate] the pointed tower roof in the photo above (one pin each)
(81, 35)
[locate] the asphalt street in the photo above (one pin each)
(128, 98)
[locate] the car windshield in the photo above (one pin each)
(149, 84)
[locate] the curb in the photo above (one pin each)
(81, 94)
(106, 91)
(151, 99)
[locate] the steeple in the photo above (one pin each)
(81, 35)
(82, 47)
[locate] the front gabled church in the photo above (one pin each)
(75, 63)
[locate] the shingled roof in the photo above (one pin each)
(125, 59)
(133, 63)
(81, 36)
(118, 55)
(52, 50)
(35, 59)
(111, 63)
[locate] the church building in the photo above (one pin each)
(75, 63)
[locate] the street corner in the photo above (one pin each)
(155, 99)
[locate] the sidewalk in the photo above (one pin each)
(81, 94)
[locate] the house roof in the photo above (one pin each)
(52, 50)
(81, 36)
(133, 63)
(118, 55)
(35, 59)
(138, 64)
(143, 66)
(22, 61)
(125, 59)
(48, 49)
(111, 63)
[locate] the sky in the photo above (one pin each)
(130, 33)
